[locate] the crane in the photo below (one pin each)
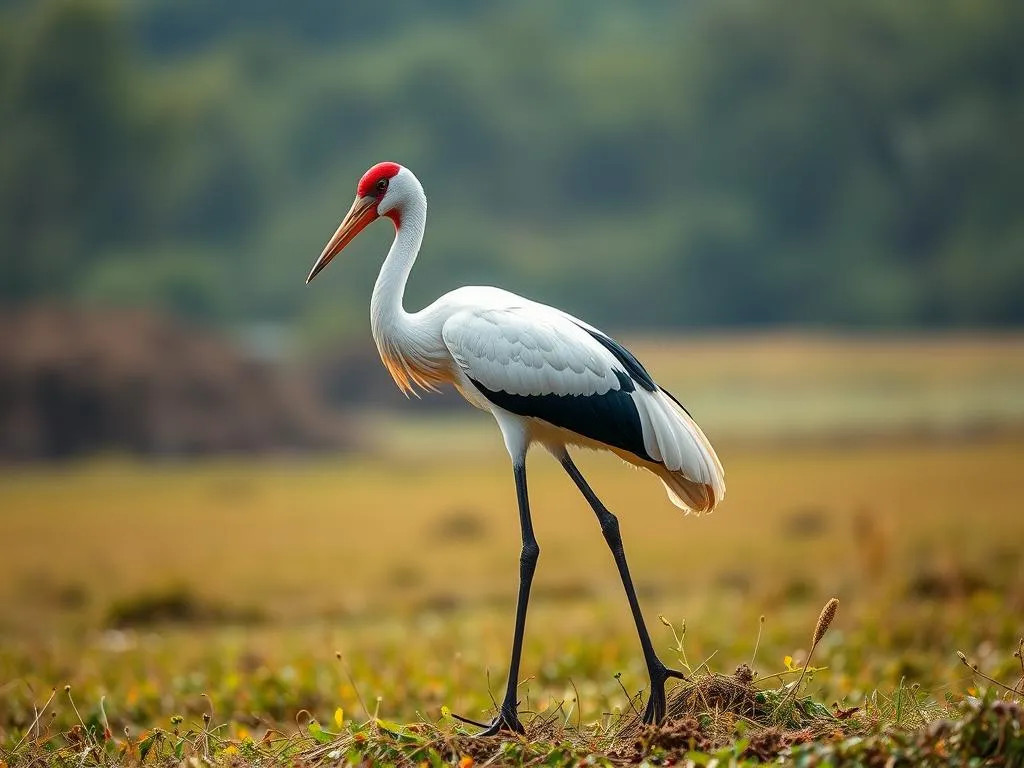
(547, 378)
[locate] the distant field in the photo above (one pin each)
(405, 561)
(806, 386)
(813, 384)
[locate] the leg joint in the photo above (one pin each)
(610, 526)
(529, 553)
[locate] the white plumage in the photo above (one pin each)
(520, 347)
(546, 377)
(526, 349)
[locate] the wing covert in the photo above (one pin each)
(522, 351)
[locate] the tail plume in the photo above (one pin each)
(690, 469)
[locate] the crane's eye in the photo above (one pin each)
(382, 186)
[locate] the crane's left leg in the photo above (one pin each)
(659, 673)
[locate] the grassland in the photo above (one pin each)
(249, 598)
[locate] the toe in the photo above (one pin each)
(669, 673)
(505, 722)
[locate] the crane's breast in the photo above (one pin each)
(414, 369)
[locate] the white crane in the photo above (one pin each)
(546, 377)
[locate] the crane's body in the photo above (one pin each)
(546, 377)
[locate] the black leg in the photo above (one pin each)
(659, 673)
(507, 719)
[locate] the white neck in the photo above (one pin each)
(407, 344)
(387, 315)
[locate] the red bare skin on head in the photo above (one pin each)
(368, 184)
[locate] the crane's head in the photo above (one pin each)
(381, 192)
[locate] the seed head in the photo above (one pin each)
(828, 613)
(744, 674)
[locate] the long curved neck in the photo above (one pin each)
(406, 347)
(386, 311)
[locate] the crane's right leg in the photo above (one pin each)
(507, 718)
(517, 443)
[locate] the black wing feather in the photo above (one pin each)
(628, 360)
(611, 418)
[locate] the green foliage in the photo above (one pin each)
(732, 163)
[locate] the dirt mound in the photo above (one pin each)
(704, 711)
(75, 381)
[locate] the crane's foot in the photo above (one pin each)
(657, 707)
(506, 721)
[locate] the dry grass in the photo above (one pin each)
(362, 537)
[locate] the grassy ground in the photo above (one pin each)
(269, 570)
(218, 609)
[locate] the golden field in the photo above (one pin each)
(403, 560)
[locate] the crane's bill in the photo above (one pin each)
(362, 212)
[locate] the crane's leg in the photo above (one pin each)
(659, 673)
(507, 719)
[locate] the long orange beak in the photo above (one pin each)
(362, 212)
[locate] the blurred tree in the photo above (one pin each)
(664, 164)
(76, 155)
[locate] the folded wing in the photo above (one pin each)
(538, 362)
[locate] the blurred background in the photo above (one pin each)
(680, 166)
(675, 168)
(805, 217)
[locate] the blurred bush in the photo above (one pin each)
(175, 604)
(75, 382)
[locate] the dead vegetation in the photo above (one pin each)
(76, 381)
(176, 604)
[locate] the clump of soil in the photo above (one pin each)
(682, 735)
(767, 744)
(75, 381)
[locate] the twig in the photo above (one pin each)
(35, 722)
(579, 721)
(618, 679)
(81, 722)
(979, 673)
(348, 674)
(757, 643)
